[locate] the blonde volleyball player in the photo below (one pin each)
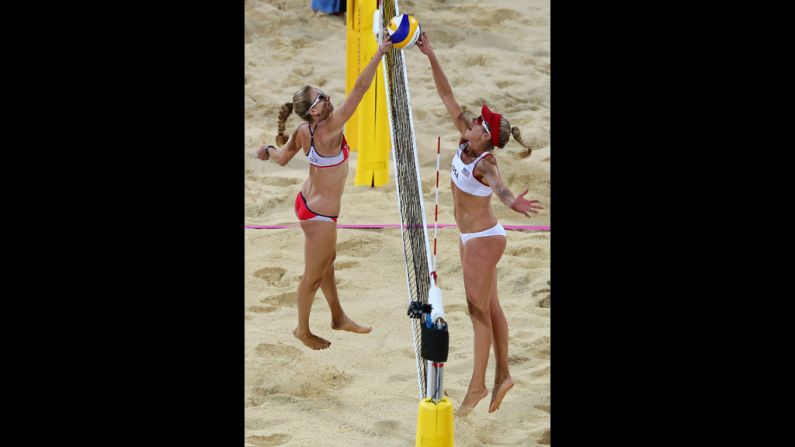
(474, 178)
(318, 203)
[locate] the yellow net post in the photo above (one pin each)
(367, 131)
(434, 424)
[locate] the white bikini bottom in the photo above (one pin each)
(496, 230)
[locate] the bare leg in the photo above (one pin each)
(480, 257)
(499, 331)
(319, 247)
(339, 320)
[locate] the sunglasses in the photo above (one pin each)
(483, 123)
(320, 97)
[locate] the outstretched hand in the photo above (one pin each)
(386, 44)
(424, 44)
(524, 206)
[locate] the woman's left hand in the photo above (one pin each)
(386, 44)
(524, 206)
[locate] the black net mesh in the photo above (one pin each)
(409, 188)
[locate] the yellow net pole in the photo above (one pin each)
(367, 131)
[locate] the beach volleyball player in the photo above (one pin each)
(318, 203)
(474, 178)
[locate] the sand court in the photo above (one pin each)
(363, 389)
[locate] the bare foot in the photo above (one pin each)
(351, 326)
(470, 400)
(311, 340)
(498, 393)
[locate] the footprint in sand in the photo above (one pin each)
(309, 385)
(540, 348)
(540, 291)
(342, 265)
(268, 440)
(541, 372)
(334, 379)
(259, 395)
(462, 80)
(283, 352)
(516, 359)
(545, 301)
(271, 275)
(283, 299)
(357, 247)
(526, 252)
(280, 181)
(500, 15)
(262, 424)
(545, 68)
(305, 70)
(480, 60)
(520, 336)
(262, 309)
(449, 36)
(544, 438)
(255, 210)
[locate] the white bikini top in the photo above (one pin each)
(464, 175)
(322, 161)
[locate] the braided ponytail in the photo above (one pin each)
(300, 104)
(284, 112)
(518, 137)
(505, 134)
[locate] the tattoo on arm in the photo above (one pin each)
(505, 194)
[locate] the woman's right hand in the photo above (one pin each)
(425, 44)
(262, 152)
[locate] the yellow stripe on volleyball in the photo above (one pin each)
(405, 30)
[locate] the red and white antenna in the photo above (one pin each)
(436, 208)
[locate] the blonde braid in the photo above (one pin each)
(301, 106)
(505, 134)
(284, 112)
(518, 137)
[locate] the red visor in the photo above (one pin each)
(493, 121)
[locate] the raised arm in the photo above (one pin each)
(443, 86)
(492, 177)
(280, 155)
(340, 116)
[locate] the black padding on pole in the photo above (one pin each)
(435, 344)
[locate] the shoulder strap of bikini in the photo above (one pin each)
(483, 155)
(312, 134)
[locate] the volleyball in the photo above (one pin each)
(404, 30)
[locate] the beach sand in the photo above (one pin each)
(363, 389)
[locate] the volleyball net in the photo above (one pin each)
(413, 225)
